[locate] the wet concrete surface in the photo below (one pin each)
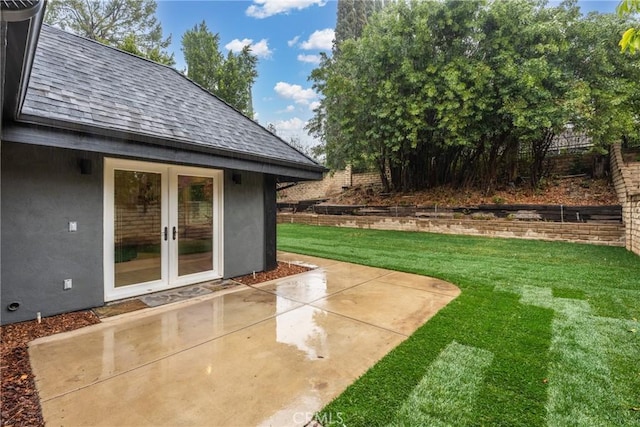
(271, 354)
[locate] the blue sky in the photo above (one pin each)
(287, 36)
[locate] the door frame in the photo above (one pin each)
(169, 251)
(218, 176)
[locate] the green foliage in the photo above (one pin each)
(130, 25)
(237, 78)
(230, 77)
(607, 87)
(202, 55)
(352, 17)
(631, 37)
(455, 91)
(130, 44)
(556, 317)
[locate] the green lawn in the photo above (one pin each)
(544, 333)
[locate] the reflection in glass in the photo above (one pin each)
(138, 217)
(195, 224)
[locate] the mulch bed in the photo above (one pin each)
(284, 269)
(20, 404)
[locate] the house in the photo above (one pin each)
(120, 176)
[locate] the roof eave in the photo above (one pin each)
(172, 143)
(20, 31)
(20, 11)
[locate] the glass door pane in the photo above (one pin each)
(195, 224)
(137, 227)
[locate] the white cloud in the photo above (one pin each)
(237, 45)
(290, 126)
(295, 92)
(294, 129)
(260, 49)
(320, 39)
(265, 8)
(311, 59)
(314, 105)
(293, 41)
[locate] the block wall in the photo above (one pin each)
(598, 234)
(366, 178)
(626, 179)
(332, 183)
(634, 227)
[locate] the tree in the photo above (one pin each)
(352, 17)
(130, 25)
(202, 55)
(231, 77)
(631, 38)
(237, 77)
(610, 89)
(471, 92)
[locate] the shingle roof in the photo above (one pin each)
(86, 84)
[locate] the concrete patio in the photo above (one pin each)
(270, 354)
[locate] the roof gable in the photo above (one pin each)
(78, 83)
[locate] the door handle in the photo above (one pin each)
(175, 233)
(166, 233)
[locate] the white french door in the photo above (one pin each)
(163, 227)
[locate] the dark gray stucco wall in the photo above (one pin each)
(243, 224)
(42, 190)
(270, 223)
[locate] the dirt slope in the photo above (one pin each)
(574, 191)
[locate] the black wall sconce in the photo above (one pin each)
(236, 177)
(86, 166)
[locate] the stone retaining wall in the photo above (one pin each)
(366, 178)
(598, 234)
(332, 183)
(626, 179)
(633, 231)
